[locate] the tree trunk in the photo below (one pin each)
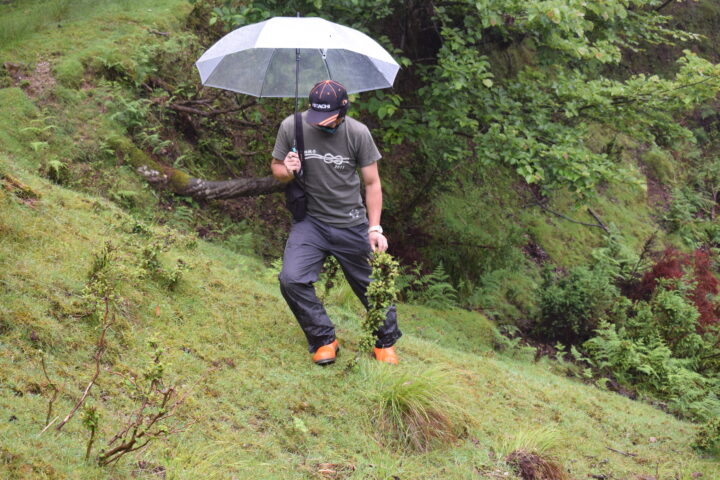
(237, 187)
(181, 183)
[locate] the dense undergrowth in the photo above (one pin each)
(195, 319)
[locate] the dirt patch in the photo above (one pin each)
(658, 195)
(535, 252)
(34, 82)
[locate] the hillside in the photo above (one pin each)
(199, 310)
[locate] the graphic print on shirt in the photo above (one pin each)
(338, 161)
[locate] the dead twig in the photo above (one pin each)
(572, 220)
(100, 350)
(48, 425)
(627, 454)
(56, 392)
(600, 223)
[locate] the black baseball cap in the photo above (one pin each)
(328, 100)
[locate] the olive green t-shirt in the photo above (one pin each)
(332, 183)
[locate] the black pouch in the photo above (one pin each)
(295, 198)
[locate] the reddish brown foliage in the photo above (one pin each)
(534, 467)
(707, 284)
(697, 266)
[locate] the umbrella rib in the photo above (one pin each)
(264, 77)
(327, 67)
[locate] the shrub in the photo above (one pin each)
(572, 305)
(692, 269)
(707, 439)
(647, 364)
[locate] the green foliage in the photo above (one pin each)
(672, 318)
(507, 295)
(660, 165)
(57, 171)
(707, 438)
(90, 420)
(573, 305)
(124, 198)
(151, 266)
(648, 365)
(70, 72)
(692, 212)
(432, 289)
(381, 294)
(103, 279)
(330, 270)
(156, 402)
(131, 114)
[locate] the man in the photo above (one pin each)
(337, 223)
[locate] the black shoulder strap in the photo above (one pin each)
(300, 142)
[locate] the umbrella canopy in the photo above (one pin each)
(260, 59)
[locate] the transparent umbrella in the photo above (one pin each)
(276, 57)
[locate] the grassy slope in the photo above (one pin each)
(263, 410)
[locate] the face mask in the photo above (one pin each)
(341, 119)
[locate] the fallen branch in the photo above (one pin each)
(600, 223)
(572, 220)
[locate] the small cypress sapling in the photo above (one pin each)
(90, 420)
(157, 402)
(381, 293)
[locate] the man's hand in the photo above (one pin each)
(378, 242)
(292, 162)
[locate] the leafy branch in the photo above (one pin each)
(381, 294)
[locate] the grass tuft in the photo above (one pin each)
(419, 410)
(540, 441)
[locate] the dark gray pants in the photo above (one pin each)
(309, 243)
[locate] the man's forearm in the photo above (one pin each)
(280, 171)
(373, 201)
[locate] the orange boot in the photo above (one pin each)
(386, 355)
(327, 353)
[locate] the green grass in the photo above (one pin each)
(262, 399)
(22, 20)
(256, 406)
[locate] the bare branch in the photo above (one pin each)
(98, 356)
(56, 392)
